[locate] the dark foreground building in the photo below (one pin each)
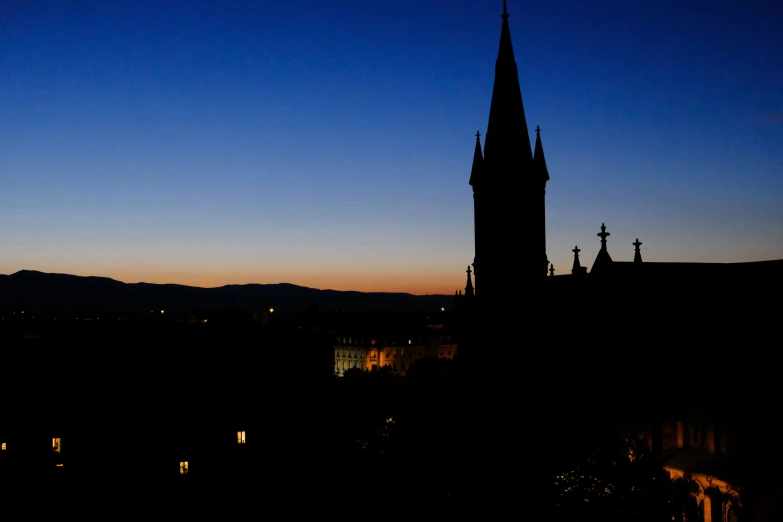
(677, 352)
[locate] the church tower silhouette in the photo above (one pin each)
(509, 187)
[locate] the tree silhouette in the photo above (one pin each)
(620, 480)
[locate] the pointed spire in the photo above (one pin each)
(577, 268)
(539, 161)
(603, 258)
(507, 140)
(469, 284)
(637, 257)
(478, 162)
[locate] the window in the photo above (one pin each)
(183, 468)
(2, 446)
(56, 445)
(241, 437)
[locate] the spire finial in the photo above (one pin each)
(505, 12)
(637, 258)
(478, 136)
(577, 268)
(469, 291)
(538, 130)
(551, 269)
(603, 234)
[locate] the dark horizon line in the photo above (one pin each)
(23, 271)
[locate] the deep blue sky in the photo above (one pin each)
(329, 143)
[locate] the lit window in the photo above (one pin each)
(2, 446)
(59, 465)
(56, 445)
(183, 468)
(241, 437)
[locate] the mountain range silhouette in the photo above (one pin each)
(33, 290)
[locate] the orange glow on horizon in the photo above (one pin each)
(424, 282)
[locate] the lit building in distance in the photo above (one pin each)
(393, 356)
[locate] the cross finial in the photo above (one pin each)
(478, 136)
(576, 251)
(603, 234)
(469, 271)
(505, 12)
(551, 269)
(538, 130)
(637, 244)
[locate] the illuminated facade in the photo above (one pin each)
(695, 453)
(396, 358)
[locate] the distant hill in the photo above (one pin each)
(34, 290)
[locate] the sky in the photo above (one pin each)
(329, 143)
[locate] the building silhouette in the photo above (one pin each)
(634, 332)
(509, 186)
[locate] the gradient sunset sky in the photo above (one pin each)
(329, 143)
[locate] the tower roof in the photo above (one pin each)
(603, 258)
(577, 267)
(507, 140)
(478, 162)
(469, 284)
(637, 258)
(538, 157)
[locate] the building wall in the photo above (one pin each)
(347, 357)
(398, 358)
